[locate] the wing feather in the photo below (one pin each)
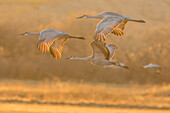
(46, 40)
(106, 26)
(57, 46)
(111, 49)
(99, 50)
(119, 28)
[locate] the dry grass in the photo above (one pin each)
(133, 96)
(34, 108)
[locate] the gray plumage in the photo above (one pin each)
(52, 40)
(102, 55)
(110, 23)
(157, 67)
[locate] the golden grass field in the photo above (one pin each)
(68, 97)
(32, 82)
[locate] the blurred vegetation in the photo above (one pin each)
(87, 94)
(140, 45)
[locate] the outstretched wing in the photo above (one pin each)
(119, 28)
(111, 49)
(57, 46)
(46, 40)
(152, 66)
(99, 50)
(106, 26)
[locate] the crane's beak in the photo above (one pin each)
(22, 33)
(68, 58)
(81, 17)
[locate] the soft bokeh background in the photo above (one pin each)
(141, 44)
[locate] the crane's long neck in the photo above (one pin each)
(31, 33)
(78, 58)
(34, 33)
(95, 16)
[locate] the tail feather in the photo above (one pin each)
(126, 67)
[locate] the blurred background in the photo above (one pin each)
(21, 63)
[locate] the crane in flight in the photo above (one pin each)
(157, 67)
(110, 23)
(102, 55)
(52, 40)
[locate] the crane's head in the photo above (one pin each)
(70, 58)
(26, 33)
(84, 16)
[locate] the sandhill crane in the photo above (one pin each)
(110, 23)
(157, 67)
(102, 55)
(53, 40)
